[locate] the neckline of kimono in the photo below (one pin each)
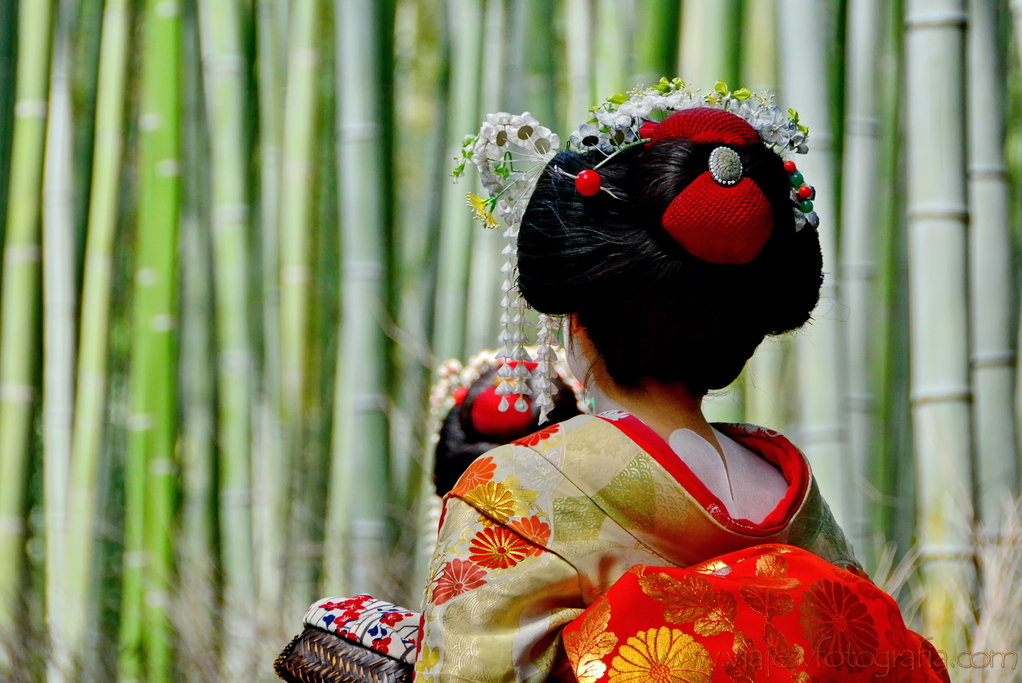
(771, 446)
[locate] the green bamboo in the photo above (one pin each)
(220, 28)
(766, 397)
(19, 298)
(58, 341)
(152, 463)
(858, 246)
(357, 512)
(990, 276)
(821, 432)
(295, 234)
(195, 602)
(8, 48)
(578, 28)
(935, 59)
(759, 45)
(484, 277)
(656, 41)
(612, 43)
(268, 468)
(90, 401)
(465, 19)
(710, 47)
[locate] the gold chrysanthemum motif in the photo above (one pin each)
(663, 655)
(725, 166)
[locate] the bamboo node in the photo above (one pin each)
(31, 109)
(937, 20)
(17, 393)
(11, 525)
(168, 168)
(20, 253)
(168, 9)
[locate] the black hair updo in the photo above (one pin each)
(651, 309)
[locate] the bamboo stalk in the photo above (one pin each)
(90, 401)
(821, 430)
(357, 514)
(483, 296)
(58, 341)
(764, 392)
(268, 468)
(613, 42)
(153, 386)
(19, 298)
(220, 27)
(579, 29)
(196, 605)
(8, 49)
(294, 238)
(465, 19)
(990, 277)
(858, 245)
(934, 46)
(656, 42)
(710, 48)
(759, 45)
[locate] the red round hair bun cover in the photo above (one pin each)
(725, 225)
(718, 224)
(489, 421)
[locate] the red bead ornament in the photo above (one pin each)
(646, 130)
(805, 192)
(790, 166)
(459, 395)
(588, 182)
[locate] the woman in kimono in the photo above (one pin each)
(670, 259)
(672, 236)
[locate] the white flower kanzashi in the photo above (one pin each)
(620, 118)
(510, 151)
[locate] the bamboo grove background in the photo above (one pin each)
(232, 257)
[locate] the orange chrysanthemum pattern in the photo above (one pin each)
(458, 576)
(533, 529)
(536, 438)
(837, 623)
(661, 655)
(497, 548)
(477, 474)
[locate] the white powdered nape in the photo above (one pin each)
(748, 486)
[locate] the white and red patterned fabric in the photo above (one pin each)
(380, 626)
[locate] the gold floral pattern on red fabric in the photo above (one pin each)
(771, 598)
(494, 501)
(661, 655)
(477, 474)
(533, 529)
(459, 576)
(497, 548)
(838, 624)
(692, 599)
(590, 644)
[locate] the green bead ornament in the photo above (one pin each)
(796, 180)
(805, 206)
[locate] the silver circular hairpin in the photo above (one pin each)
(725, 166)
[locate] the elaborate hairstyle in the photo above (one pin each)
(651, 308)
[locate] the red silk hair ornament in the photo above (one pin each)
(489, 421)
(728, 225)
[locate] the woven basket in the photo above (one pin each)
(318, 656)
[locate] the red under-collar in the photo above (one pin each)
(770, 445)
